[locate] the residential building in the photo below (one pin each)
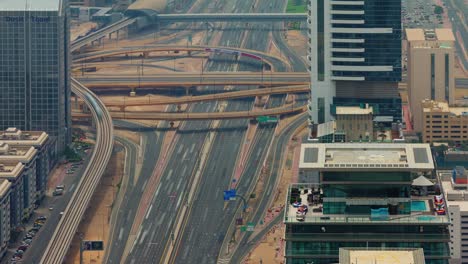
(455, 186)
(443, 123)
(364, 198)
(40, 141)
(23, 179)
(346, 43)
(5, 229)
(14, 173)
(35, 71)
(356, 122)
(382, 256)
(430, 68)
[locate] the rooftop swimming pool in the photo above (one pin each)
(418, 206)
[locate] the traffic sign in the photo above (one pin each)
(93, 245)
(250, 226)
(230, 195)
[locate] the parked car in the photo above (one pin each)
(41, 218)
(60, 187)
(28, 241)
(23, 247)
(57, 192)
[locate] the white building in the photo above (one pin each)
(354, 52)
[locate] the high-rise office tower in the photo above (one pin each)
(34, 68)
(354, 53)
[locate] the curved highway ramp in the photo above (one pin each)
(66, 228)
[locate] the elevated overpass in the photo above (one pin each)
(148, 100)
(184, 79)
(58, 245)
(101, 33)
(288, 109)
(232, 17)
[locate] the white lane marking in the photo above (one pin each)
(72, 187)
(148, 212)
(179, 149)
(121, 233)
(144, 185)
(178, 184)
(192, 148)
(143, 237)
(178, 201)
(169, 174)
(184, 170)
(183, 156)
(161, 219)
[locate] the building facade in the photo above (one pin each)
(13, 172)
(441, 122)
(45, 152)
(456, 190)
(23, 179)
(34, 73)
(5, 228)
(346, 43)
(364, 199)
(430, 67)
(356, 122)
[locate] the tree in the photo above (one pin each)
(438, 10)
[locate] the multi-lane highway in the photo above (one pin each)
(65, 230)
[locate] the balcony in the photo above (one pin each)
(368, 237)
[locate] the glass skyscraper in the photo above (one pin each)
(365, 196)
(354, 49)
(34, 68)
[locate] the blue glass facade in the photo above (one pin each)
(380, 49)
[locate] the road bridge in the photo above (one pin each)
(150, 100)
(288, 109)
(184, 79)
(232, 17)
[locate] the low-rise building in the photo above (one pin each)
(455, 186)
(355, 122)
(431, 63)
(40, 141)
(24, 175)
(366, 196)
(444, 123)
(382, 256)
(14, 173)
(5, 228)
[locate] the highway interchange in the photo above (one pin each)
(155, 236)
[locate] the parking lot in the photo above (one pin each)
(420, 14)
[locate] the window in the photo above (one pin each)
(432, 76)
(320, 41)
(447, 73)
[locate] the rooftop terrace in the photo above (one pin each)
(424, 213)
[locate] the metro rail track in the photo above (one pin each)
(64, 232)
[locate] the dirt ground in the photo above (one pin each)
(271, 248)
(298, 42)
(81, 30)
(95, 223)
